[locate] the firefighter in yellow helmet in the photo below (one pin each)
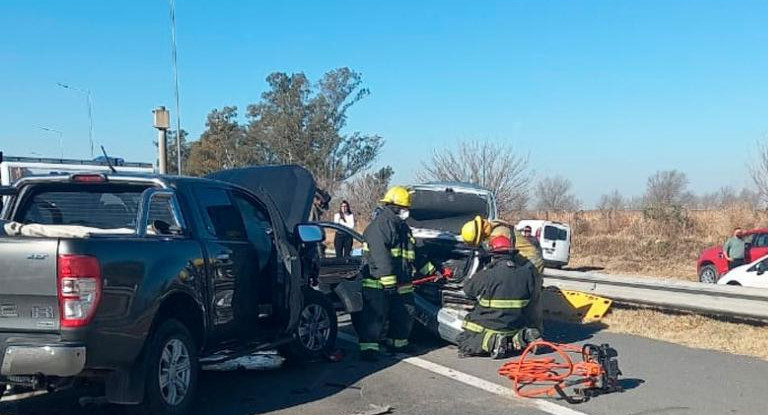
(390, 256)
(479, 231)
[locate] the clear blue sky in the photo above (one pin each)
(602, 92)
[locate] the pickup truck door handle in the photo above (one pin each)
(223, 256)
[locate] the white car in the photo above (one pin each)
(754, 274)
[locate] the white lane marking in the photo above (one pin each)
(482, 384)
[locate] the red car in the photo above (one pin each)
(712, 264)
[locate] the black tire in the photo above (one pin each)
(169, 338)
(316, 332)
(708, 274)
(734, 283)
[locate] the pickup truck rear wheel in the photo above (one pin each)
(708, 274)
(172, 370)
(317, 329)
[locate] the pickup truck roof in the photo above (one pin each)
(292, 188)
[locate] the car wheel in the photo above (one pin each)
(708, 274)
(172, 370)
(316, 332)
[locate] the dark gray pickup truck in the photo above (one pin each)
(137, 280)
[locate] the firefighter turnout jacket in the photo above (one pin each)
(390, 253)
(503, 293)
(388, 304)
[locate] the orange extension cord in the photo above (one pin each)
(555, 373)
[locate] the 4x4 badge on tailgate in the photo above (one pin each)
(9, 311)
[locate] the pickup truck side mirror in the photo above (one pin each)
(760, 268)
(310, 233)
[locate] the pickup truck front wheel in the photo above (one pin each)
(708, 274)
(172, 370)
(317, 329)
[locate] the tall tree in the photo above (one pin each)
(494, 166)
(300, 123)
(223, 145)
(553, 194)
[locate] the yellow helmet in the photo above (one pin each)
(501, 228)
(398, 196)
(474, 231)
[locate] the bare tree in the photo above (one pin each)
(759, 173)
(719, 199)
(750, 198)
(611, 202)
(609, 205)
(364, 192)
(553, 194)
(494, 166)
(668, 188)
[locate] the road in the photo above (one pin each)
(660, 378)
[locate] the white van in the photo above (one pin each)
(554, 238)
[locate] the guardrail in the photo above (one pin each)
(721, 300)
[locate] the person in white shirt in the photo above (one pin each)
(343, 241)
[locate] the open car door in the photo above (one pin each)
(340, 277)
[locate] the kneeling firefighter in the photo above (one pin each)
(478, 231)
(389, 253)
(498, 324)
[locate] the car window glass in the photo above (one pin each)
(105, 207)
(254, 217)
(258, 228)
(221, 218)
(553, 233)
(330, 236)
(760, 240)
(161, 209)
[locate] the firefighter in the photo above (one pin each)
(480, 230)
(387, 290)
(498, 325)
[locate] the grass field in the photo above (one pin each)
(643, 243)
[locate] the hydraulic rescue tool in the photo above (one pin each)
(597, 373)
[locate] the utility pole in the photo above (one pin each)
(161, 122)
(61, 139)
(87, 93)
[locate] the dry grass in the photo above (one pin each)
(633, 242)
(691, 330)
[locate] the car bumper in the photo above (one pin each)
(49, 360)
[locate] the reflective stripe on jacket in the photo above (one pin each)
(503, 290)
(389, 250)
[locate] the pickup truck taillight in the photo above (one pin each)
(79, 288)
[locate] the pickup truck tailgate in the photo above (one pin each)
(28, 291)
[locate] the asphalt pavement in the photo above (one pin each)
(659, 378)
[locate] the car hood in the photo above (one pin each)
(711, 252)
(440, 210)
(291, 187)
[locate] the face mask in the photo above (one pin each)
(404, 213)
